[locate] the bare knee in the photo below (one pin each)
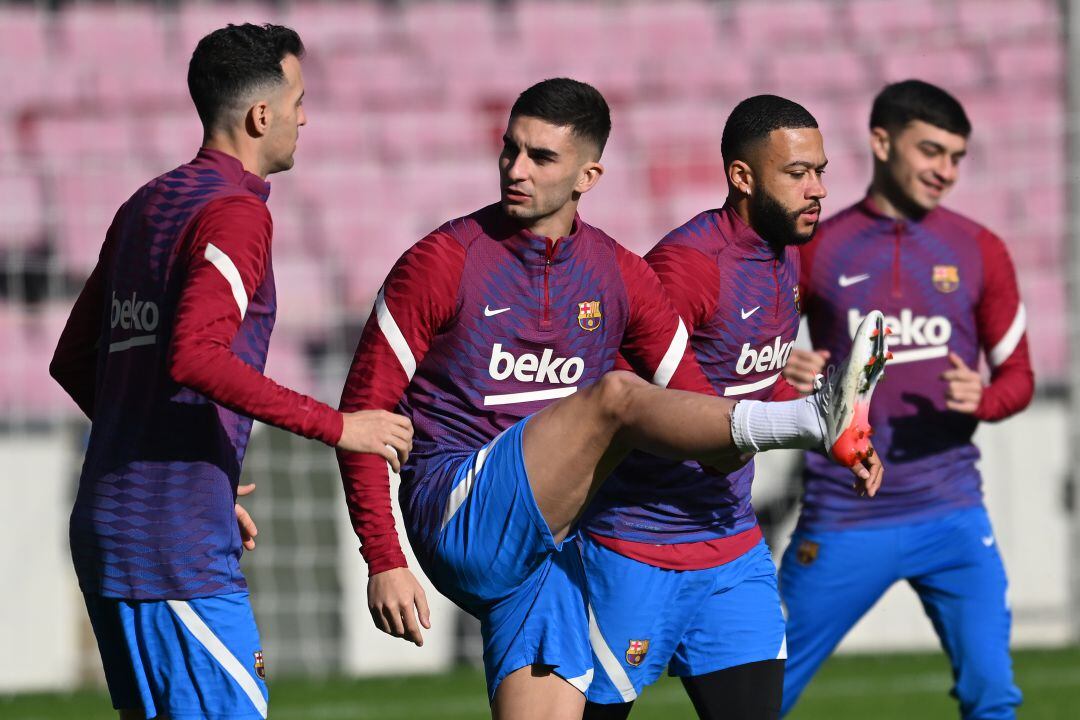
(615, 392)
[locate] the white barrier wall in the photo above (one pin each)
(42, 619)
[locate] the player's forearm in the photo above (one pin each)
(366, 481)
(1010, 391)
(215, 372)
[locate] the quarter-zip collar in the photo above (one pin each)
(738, 232)
(530, 248)
(232, 170)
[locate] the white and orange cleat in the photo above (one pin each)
(844, 396)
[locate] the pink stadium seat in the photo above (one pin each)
(86, 140)
(24, 35)
(956, 68)
(26, 390)
(1018, 18)
(376, 81)
(824, 72)
(1032, 64)
(22, 208)
(671, 25)
(286, 364)
(195, 20)
(329, 28)
(115, 36)
(85, 202)
(874, 23)
(307, 300)
(466, 24)
(798, 23)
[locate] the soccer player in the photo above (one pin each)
(679, 575)
(164, 352)
(495, 333)
(949, 291)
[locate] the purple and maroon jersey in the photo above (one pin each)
(164, 351)
(481, 324)
(739, 301)
(945, 284)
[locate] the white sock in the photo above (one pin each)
(757, 426)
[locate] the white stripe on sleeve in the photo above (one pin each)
(202, 632)
(394, 336)
(225, 266)
(1005, 346)
(674, 354)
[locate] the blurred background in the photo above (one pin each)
(406, 102)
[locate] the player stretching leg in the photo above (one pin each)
(495, 333)
(679, 575)
(949, 290)
(164, 352)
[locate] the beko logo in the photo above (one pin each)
(927, 336)
(131, 313)
(769, 357)
(528, 367)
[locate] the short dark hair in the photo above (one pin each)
(902, 102)
(754, 118)
(568, 103)
(232, 62)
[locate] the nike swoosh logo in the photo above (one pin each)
(988, 541)
(488, 312)
(748, 313)
(846, 281)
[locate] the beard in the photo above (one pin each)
(776, 224)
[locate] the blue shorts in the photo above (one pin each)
(496, 558)
(831, 579)
(190, 659)
(646, 619)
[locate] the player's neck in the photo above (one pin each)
(244, 152)
(557, 225)
(892, 203)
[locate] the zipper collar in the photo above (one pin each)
(750, 244)
(232, 170)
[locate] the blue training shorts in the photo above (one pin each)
(197, 658)
(646, 619)
(496, 558)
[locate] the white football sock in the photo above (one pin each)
(757, 426)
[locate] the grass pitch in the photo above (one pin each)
(882, 687)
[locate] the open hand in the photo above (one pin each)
(392, 597)
(868, 474)
(248, 531)
(379, 432)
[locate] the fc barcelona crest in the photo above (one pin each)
(946, 278)
(260, 666)
(635, 654)
(588, 316)
(798, 303)
(807, 552)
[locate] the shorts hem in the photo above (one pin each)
(725, 664)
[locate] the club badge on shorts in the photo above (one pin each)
(635, 654)
(946, 278)
(807, 552)
(260, 665)
(588, 316)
